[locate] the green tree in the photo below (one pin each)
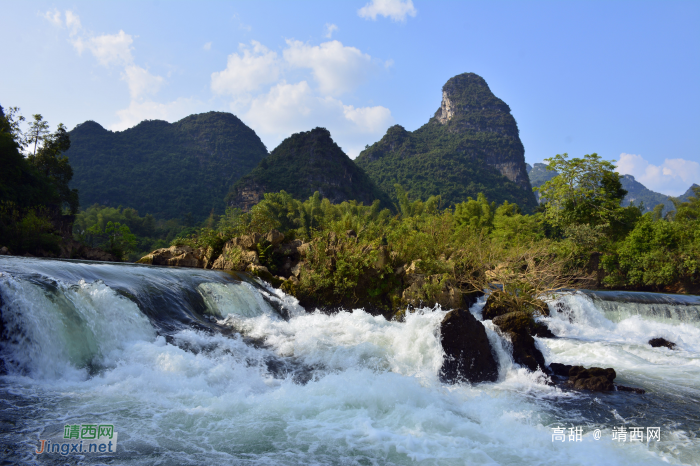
(50, 162)
(38, 129)
(586, 191)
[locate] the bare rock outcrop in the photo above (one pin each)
(178, 256)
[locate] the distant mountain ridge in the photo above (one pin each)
(637, 193)
(302, 164)
(470, 145)
(167, 170)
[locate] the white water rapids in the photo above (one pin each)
(343, 389)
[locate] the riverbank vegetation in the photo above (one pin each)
(35, 197)
(424, 252)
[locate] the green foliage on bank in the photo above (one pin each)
(181, 170)
(34, 190)
(123, 232)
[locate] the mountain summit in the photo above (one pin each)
(471, 145)
(302, 164)
(167, 170)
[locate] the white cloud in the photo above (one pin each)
(248, 71)
(369, 119)
(335, 67)
(673, 177)
(116, 50)
(140, 81)
(73, 22)
(330, 29)
(397, 10)
(149, 110)
(111, 49)
(54, 17)
(291, 108)
(207, 46)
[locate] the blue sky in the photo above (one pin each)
(618, 78)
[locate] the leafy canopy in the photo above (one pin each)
(586, 191)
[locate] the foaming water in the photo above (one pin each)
(246, 383)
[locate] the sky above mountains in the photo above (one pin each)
(616, 78)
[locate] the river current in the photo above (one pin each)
(203, 367)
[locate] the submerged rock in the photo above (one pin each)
(468, 353)
(658, 342)
(594, 378)
(623, 388)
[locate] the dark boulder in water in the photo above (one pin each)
(594, 378)
(658, 342)
(468, 353)
(519, 326)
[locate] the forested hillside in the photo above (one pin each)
(181, 170)
(302, 164)
(471, 145)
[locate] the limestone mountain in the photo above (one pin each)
(167, 170)
(302, 164)
(539, 175)
(470, 145)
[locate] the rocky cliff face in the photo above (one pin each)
(471, 145)
(302, 164)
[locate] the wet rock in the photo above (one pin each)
(4, 251)
(517, 322)
(518, 326)
(525, 352)
(541, 330)
(274, 237)
(623, 388)
(561, 370)
(467, 349)
(594, 378)
(658, 342)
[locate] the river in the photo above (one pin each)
(203, 367)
